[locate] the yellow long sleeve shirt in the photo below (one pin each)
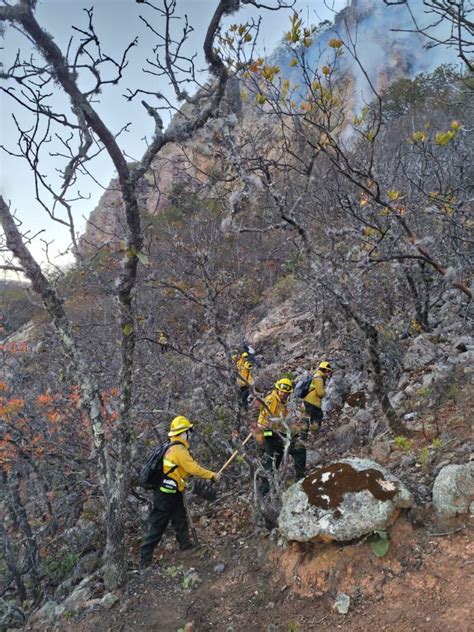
(317, 390)
(274, 407)
(178, 455)
(245, 373)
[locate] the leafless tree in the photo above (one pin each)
(457, 15)
(29, 83)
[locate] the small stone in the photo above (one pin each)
(109, 600)
(189, 626)
(381, 451)
(463, 343)
(342, 603)
(219, 568)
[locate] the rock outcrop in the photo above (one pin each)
(342, 501)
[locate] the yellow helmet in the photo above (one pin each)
(245, 354)
(285, 385)
(248, 365)
(178, 425)
(325, 366)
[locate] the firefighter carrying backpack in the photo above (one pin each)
(152, 475)
(303, 386)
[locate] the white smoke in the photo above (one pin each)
(385, 45)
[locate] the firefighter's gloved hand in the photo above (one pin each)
(217, 478)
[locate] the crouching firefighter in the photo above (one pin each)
(168, 503)
(274, 432)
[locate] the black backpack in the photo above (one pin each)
(302, 386)
(151, 474)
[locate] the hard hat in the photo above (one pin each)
(245, 354)
(178, 425)
(248, 365)
(325, 366)
(284, 385)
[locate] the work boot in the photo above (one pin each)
(187, 546)
(145, 563)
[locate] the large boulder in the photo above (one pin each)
(453, 490)
(342, 501)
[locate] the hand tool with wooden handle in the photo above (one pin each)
(234, 454)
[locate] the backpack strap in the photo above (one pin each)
(171, 464)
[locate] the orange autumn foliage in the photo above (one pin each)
(44, 400)
(10, 407)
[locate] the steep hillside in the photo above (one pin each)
(314, 230)
(242, 573)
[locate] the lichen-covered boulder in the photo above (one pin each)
(453, 490)
(342, 501)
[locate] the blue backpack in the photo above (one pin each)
(303, 386)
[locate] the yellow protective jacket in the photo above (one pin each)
(162, 339)
(274, 407)
(245, 373)
(316, 390)
(178, 455)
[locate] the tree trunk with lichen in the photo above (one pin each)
(114, 478)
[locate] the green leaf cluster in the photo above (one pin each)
(379, 543)
(403, 443)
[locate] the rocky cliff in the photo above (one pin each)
(380, 43)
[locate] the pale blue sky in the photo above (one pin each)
(117, 23)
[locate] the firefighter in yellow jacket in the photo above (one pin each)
(317, 389)
(274, 432)
(178, 466)
(245, 380)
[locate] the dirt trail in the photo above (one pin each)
(240, 579)
(425, 583)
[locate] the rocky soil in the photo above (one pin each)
(424, 583)
(242, 576)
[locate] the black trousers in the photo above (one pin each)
(244, 392)
(315, 414)
(166, 507)
(275, 447)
